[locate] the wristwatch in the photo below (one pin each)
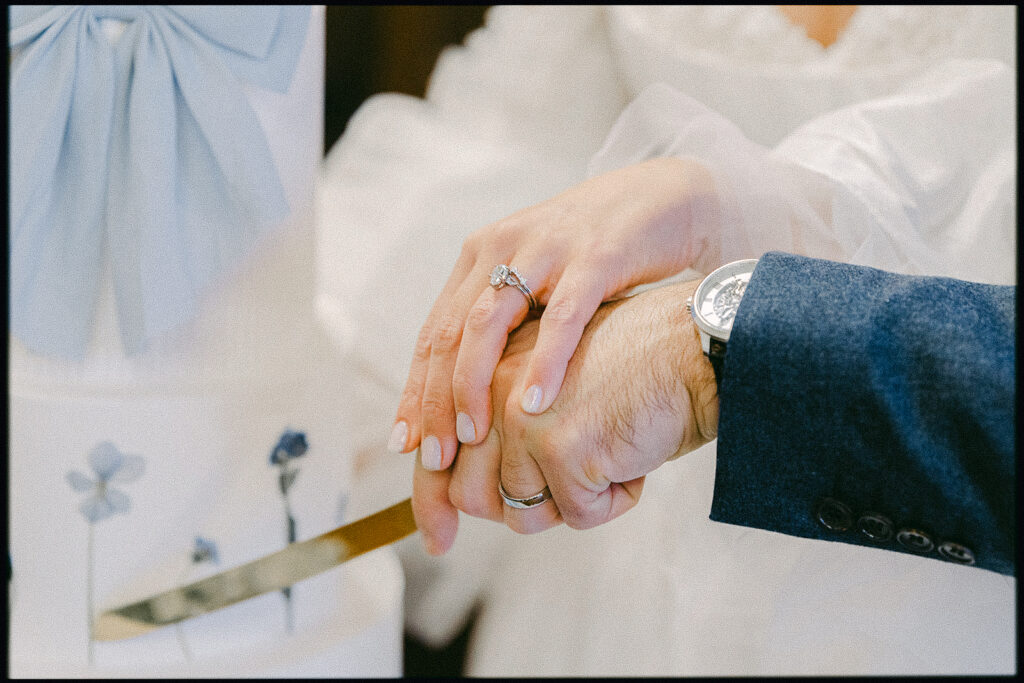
(713, 306)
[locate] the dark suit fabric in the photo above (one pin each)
(853, 394)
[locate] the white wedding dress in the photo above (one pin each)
(544, 96)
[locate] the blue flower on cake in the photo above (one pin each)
(290, 446)
(109, 465)
(205, 551)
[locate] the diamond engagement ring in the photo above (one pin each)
(504, 275)
(524, 503)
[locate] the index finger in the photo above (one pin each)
(572, 304)
(407, 426)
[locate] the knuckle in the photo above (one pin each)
(475, 241)
(463, 386)
(602, 258)
(549, 443)
(409, 400)
(446, 334)
(421, 352)
(435, 403)
(577, 514)
(564, 312)
(483, 314)
(515, 477)
(515, 424)
(578, 519)
(470, 247)
(593, 471)
(509, 225)
(556, 442)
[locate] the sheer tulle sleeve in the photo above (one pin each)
(510, 118)
(922, 181)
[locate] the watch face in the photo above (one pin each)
(718, 297)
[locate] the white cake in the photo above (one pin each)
(198, 414)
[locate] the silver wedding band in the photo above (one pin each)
(524, 503)
(505, 275)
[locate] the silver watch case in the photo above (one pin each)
(716, 299)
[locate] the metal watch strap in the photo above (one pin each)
(716, 354)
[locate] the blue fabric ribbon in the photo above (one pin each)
(145, 148)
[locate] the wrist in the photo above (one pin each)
(681, 207)
(714, 305)
(703, 391)
(695, 384)
(699, 379)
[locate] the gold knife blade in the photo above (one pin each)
(278, 570)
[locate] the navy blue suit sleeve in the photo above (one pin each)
(871, 408)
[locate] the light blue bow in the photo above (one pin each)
(146, 148)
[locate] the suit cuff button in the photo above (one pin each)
(877, 528)
(915, 540)
(834, 515)
(954, 552)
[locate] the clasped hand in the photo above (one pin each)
(587, 245)
(637, 392)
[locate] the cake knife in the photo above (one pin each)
(272, 572)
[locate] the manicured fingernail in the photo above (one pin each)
(464, 428)
(397, 441)
(532, 398)
(430, 453)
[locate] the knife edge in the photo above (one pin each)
(275, 571)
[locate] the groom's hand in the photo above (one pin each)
(638, 392)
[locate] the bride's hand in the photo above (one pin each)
(587, 245)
